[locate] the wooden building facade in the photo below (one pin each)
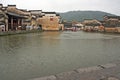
(13, 18)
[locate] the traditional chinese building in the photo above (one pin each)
(50, 21)
(13, 18)
(112, 23)
(36, 15)
(67, 25)
(91, 24)
(3, 19)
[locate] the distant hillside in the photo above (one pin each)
(81, 15)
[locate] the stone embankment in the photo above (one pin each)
(18, 32)
(109, 71)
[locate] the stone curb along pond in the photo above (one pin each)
(18, 32)
(109, 71)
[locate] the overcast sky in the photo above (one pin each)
(110, 6)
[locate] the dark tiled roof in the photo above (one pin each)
(57, 14)
(12, 5)
(17, 11)
(1, 5)
(16, 15)
(49, 12)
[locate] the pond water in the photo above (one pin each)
(27, 56)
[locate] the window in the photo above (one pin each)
(51, 19)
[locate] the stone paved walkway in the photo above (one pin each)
(109, 71)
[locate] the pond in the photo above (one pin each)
(27, 56)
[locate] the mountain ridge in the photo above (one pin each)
(82, 15)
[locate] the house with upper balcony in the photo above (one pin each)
(112, 23)
(17, 18)
(12, 18)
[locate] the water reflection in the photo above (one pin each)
(33, 55)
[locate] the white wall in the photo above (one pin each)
(50, 14)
